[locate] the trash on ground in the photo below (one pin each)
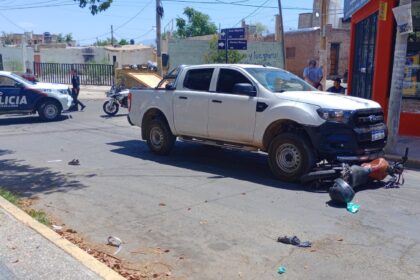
(281, 270)
(74, 162)
(116, 242)
(54, 160)
(57, 228)
(162, 204)
(294, 240)
(353, 207)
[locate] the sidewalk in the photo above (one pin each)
(413, 144)
(30, 250)
(93, 92)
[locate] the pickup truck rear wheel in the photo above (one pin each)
(159, 137)
(290, 157)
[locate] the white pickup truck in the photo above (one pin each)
(258, 108)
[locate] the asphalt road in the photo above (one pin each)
(218, 212)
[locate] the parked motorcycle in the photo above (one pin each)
(117, 97)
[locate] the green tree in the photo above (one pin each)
(95, 6)
(196, 24)
(105, 42)
(214, 55)
(261, 28)
(69, 37)
(60, 38)
(123, 42)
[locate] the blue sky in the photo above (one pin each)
(134, 18)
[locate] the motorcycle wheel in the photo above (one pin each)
(110, 108)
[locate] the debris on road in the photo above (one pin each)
(116, 242)
(57, 228)
(74, 162)
(281, 270)
(162, 204)
(71, 230)
(353, 207)
(294, 241)
(54, 160)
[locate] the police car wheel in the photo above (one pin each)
(49, 111)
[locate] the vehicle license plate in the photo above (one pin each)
(378, 135)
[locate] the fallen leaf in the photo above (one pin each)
(167, 251)
(340, 239)
(15, 261)
(162, 204)
(71, 230)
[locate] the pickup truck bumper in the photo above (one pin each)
(362, 139)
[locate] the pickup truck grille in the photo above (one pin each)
(368, 117)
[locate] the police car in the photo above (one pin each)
(20, 96)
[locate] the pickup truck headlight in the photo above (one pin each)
(335, 115)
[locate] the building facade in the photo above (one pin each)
(375, 68)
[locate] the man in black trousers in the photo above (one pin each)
(75, 81)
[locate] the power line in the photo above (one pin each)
(9, 20)
(252, 13)
(122, 25)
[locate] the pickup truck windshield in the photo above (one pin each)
(277, 80)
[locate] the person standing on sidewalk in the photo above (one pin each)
(75, 81)
(313, 74)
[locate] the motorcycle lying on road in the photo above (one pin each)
(358, 175)
(117, 97)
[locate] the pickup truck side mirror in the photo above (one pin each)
(244, 89)
(170, 86)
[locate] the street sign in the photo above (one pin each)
(237, 44)
(232, 33)
(221, 44)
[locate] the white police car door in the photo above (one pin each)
(10, 95)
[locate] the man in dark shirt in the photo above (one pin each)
(75, 81)
(337, 88)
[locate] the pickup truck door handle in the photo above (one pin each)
(183, 97)
(216, 101)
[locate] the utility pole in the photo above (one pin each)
(24, 51)
(323, 40)
(282, 34)
(159, 11)
(112, 35)
(395, 96)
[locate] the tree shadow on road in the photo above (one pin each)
(27, 180)
(222, 163)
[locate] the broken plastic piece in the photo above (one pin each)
(294, 241)
(281, 270)
(57, 228)
(115, 241)
(353, 207)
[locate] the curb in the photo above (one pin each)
(412, 163)
(84, 258)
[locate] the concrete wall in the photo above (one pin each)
(98, 55)
(13, 58)
(193, 52)
(307, 44)
(305, 20)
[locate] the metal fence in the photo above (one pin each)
(90, 74)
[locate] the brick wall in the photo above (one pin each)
(306, 46)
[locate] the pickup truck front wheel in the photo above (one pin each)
(290, 157)
(159, 137)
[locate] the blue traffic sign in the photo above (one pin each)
(221, 44)
(232, 33)
(237, 44)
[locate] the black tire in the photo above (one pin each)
(290, 157)
(49, 111)
(159, 137)
(110, 111)
(329, 174)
